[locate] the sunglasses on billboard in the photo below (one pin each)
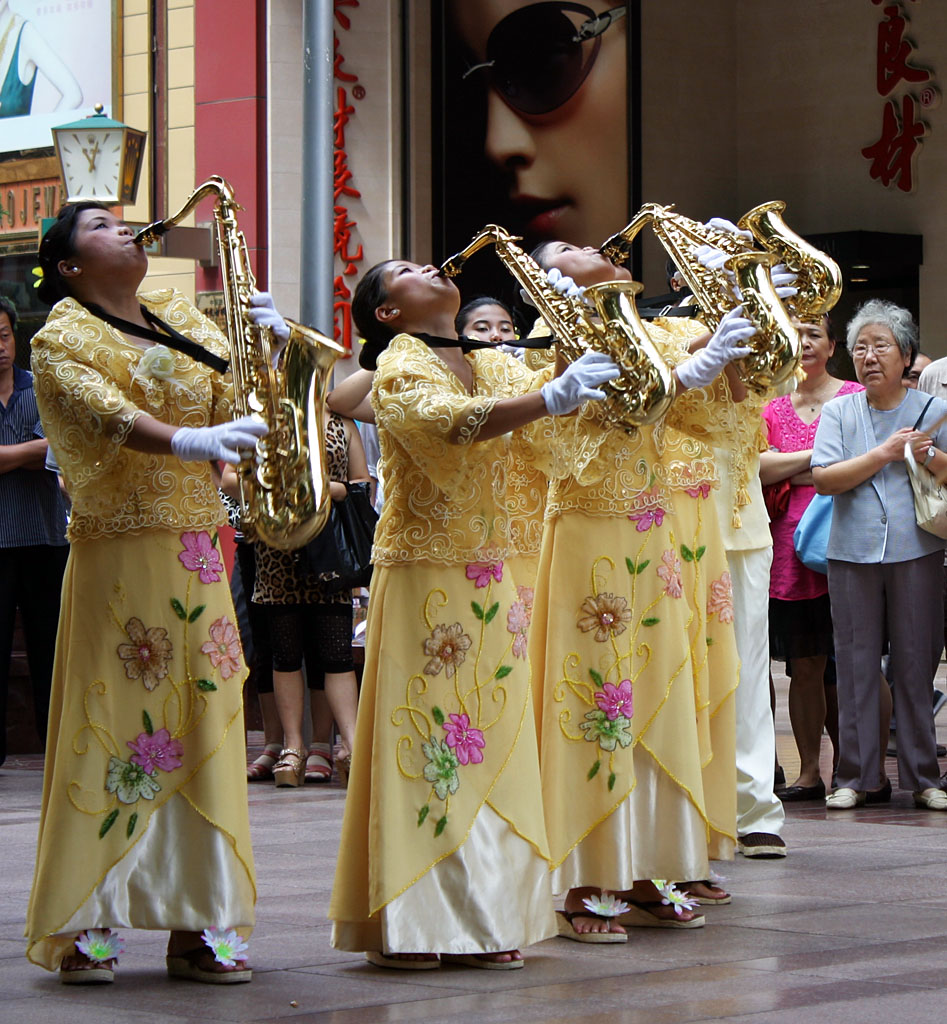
(539, 56)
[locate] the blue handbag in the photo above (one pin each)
(811, 538)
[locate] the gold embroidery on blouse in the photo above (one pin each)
(444, 489)
(90, 392)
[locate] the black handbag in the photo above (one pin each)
(341, 555)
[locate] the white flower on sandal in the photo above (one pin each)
(226, 945)
(605, 905)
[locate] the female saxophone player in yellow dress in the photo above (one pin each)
(443, 847)
(632, 651)
(144, 818)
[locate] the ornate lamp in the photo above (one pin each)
(100, 158)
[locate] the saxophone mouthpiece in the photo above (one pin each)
(150, 232)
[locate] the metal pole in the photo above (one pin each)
(316, 256)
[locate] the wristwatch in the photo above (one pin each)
(931, 452)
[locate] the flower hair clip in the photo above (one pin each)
(37, 272)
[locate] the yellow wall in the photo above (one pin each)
(180, 114)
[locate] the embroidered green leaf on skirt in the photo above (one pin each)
(438, 715)
(652, 621)
(178, 609)
(709, 640)
(488, 618)
(611, 781)
(206, 685)
(108, 823)
(686, 553)
(195, 614)
(215, 540)
(639, 568)
(146, 721)
(597, 678)
(440, 826)
(503, 671)
(477, 610)
(699, 553)
(423, 813)
(132, 822)
(593, 771)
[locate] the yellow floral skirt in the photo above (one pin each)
(632, 650)
(144, 818)
(445, 773)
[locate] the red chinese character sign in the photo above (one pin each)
(347, 250)
(892, 157)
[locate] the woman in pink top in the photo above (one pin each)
(799, 613)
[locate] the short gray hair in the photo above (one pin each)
(896, 318)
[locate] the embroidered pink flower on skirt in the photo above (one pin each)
(466, 742)
(721, 598)
(645, 520)
(615, 700)
(200, 555)
(482, 573)
(670, 572)
(223, 648)
(158, 752)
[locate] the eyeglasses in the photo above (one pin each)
(539, 56)
(881, 349)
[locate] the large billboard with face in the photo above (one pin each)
(537, 122)
(56, 62)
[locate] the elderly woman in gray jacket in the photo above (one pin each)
(885, 573)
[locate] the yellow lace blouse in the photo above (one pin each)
(92, 383)
(444, 491)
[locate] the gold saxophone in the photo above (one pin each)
(776, 347)
(284, 491)
(645, 388)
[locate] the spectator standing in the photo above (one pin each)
(799, 612)
(884, 571)
(33, 548)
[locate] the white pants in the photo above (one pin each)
(758, 808)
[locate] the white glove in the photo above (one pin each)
(264, 314)
(578, 383)
(704, 365)
(784, 281)
(722, 224)
(714, 259)
(224, 441)
(563, 284)
(516, 351)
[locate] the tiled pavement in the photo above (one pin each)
(851, 927)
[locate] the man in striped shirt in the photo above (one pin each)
(33, 546)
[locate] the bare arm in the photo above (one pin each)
(28, 455)
(510, 413)
(36, 51)
(351, 397)
(229, 483)
(776, 466)
(151, 435)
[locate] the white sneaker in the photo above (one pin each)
(845, 799)
(932, 799)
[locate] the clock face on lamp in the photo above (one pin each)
(91, 163)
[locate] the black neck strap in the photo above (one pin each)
(171, 338)
(466, 344)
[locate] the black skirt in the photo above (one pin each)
(800, 629)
